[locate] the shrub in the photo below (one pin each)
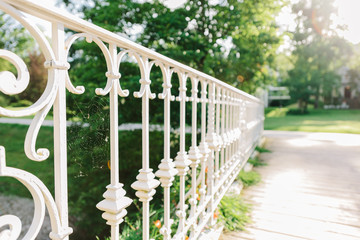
(4, 101)
(297, 112)
(249, 178)
(262, 150)
(256, 162)
(21, 103)
(234, 213)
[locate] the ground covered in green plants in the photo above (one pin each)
(316, 120)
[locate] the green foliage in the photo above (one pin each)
(234, 213)
(21, 103)
(256, 162)
(199, 30)
(234, 41)
(38, 77)
(16, 39)
(4, 101)
(88, 154)
(262, 149)
(249, 178)
(297, 112)
(131, 231)
(352, 72)
(276, 112)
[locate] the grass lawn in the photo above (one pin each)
(12, 138)
(317, 120)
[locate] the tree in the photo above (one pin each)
(318, 53)
(234, 41)
(16, 39)
(38, 77)
(353, 74)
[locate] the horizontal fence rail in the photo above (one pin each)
(231, 125)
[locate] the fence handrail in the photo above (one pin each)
(73, 22)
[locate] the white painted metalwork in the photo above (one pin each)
(231, 124)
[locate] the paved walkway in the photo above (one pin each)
(122, 127)
(310, 189)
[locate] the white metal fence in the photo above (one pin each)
(231, 124)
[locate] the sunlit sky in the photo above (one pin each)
(348, 11)
(348, 14)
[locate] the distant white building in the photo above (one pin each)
(272, 93)
(350, 88)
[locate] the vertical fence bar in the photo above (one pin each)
(115, 201)
(211, 138)
(194, 152)
(145, 184)
(114, 144)
(231, 103)
(223, 132)
(181, 160)
(204, 148)
(60, 138)
(237, 124)
(166, 170)
(227, 127)
(219, 140)
(244, 127)
(244, 135)
(230, 135)
(232, 124)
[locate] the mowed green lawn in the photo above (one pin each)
(12, 138)
(317, 120)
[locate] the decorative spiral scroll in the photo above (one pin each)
(14, 224)
(42, 197)
(112, 73)
(89, 38)
(9, 83)
(167, 72)
(145, 68)
(30, 140)
(182, 89)
(121, 92)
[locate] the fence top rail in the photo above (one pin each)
(53, 14)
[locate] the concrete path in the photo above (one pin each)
(310, 189)
(122, 127)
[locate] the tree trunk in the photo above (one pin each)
(302, 105)
(316, 103)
